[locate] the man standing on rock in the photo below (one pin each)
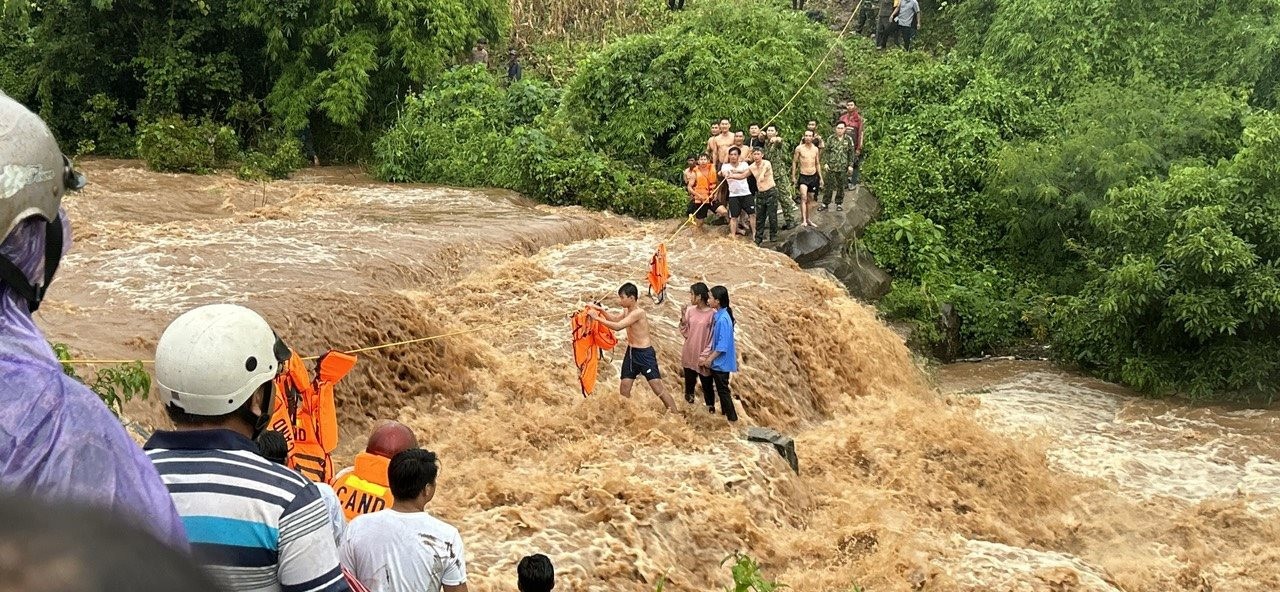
(766, 197)
(855, 127)
(806, 174)
(839, 164)
(640, 358)
(778, 154)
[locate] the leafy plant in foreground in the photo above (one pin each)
(115, 385)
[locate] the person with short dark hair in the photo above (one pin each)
(255, 525)
(514, 71)
(640, 358)
(70, 547)
(722, 354)
(766, 198)
(405, 549)
(480, 53)
(535, 574)
(741, 207)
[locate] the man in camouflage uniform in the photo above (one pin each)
(868, 13)
(778, 153)
(837, 160)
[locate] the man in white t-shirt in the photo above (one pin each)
(741, 202)
(405, 549)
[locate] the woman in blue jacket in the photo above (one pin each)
(722, 355)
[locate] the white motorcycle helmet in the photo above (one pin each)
(210, 360)
(34, 175)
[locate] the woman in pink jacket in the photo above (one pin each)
(695, 325)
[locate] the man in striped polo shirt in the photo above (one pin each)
(255, 525)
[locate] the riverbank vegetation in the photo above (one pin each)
(1094, 176)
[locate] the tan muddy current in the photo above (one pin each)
(1012, 477)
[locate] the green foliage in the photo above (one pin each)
(177, 145)
(1187, 290)
(654, 95)
(115, 386)
(458, 132)
(1111, 136)
(347, 60)
(275, 156)
(528, 98)
(747, 576)
(1063, 45)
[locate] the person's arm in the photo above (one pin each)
(624, 322)
(862, 130)
(601, 312)
(308, 555)
(690, 181)
(893, 16)
(817, 161)
(917, 17)
(795, 162)
(454, 577)
(684, 321)
(738, 175)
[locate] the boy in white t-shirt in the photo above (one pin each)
(405, 549)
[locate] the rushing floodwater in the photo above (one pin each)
(1037, 480)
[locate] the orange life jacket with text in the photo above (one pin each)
(590, 339)
(365, 488)
(659, 273)
(304, 411)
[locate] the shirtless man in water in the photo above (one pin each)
(806, 173)
(640, 358)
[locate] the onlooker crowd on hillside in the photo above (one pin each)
(748, 179)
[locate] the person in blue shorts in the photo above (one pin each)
(640, 359)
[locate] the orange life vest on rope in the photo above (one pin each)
(590, 339)
(305, 412)
(659, 274)
(365, 489)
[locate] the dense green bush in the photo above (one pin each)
(654, 95)
(275, 156)
(177, 145)
(459, 131)
(1187, 290)
(1065, 45)
(1111, 136)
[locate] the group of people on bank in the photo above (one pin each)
(748, 178)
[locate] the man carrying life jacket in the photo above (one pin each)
(364, 488)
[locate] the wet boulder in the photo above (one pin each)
(829, 245)
(784, 445)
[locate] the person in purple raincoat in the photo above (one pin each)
(57, 439)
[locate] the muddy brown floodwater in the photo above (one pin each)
(1008, 477)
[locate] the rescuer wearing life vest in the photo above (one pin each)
(364, 487)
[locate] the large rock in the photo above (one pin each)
(827, 246)
(806, 245)
(784, 445)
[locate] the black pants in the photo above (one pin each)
(721, 382)
(675, 4)
(797, 4)
(907, 34)
(691, 380)
(885, 30)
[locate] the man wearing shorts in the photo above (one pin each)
(741, 201)
(806, 174)
(640, 358)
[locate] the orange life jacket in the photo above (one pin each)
(704, 183)
(590, 339)
(305, 412)
(659, 273)
(365, 489)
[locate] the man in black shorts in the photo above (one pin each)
(736, 175)
(806, 173)
(640, 358)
